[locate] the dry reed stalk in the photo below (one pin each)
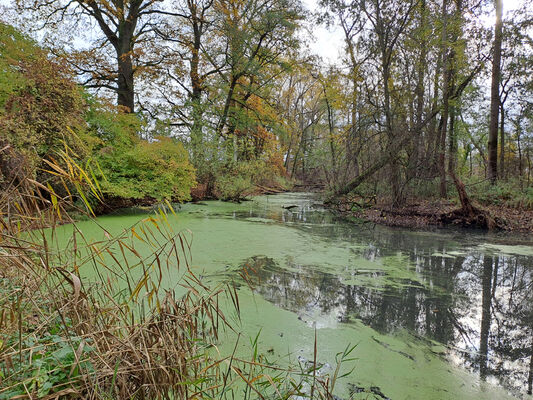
(120, 334)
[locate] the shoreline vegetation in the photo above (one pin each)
(137, 161)
(160, 102)
(424, 213)
(427, 214)
(118, 332)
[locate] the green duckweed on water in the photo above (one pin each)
(410, 301)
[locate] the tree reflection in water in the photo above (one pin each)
(479, 305)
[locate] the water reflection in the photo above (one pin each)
(477, 303)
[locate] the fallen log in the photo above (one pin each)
(289, 207)
(268, 190)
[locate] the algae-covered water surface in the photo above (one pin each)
(433, 315)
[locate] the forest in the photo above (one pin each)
(111, 107)
(226, 99)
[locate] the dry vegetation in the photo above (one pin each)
(120, 334)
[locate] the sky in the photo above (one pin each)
(328, 43)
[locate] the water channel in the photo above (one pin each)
(437, 314)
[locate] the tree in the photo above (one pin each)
(495, 93)
(119, 49)
(185, 82)
(257, 36)
(352, 23)
(389, 21)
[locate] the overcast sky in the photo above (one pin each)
(328, 43)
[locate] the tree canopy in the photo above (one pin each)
(403, 110)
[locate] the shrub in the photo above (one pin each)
(158, 170)
(132, 168)
(41, 107)
(241, 179)
(233, 187)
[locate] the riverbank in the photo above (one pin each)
(417, 214)
(432, 213)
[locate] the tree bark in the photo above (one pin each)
(495, 95)
(122, 39)
(196, 92)
(452, 145)
(125, 81)
(466, 205)
(530, 376)
(351, 153)
(519, 145)
(502, 141)
(227, 105)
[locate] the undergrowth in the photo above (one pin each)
(512, 193)
(99, 320)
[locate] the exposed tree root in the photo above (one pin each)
(425, 213)
(470, 215)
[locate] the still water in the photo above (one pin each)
(444, 314)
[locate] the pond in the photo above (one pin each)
(442, 314)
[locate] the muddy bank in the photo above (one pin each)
(439, 213)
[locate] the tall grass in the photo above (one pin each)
(97, 320)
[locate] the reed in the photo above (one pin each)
(95, 320)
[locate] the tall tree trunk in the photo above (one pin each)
(528, 158)
(124, 49)
(126, 91)
(118, 23)
(443, 128)
(495, 95)
(530, 376)
(419, 93)
(519, 145)
(452, 148)
(331, 127)
(502, 140)
(227, 105)
(196, 94)
(394, 171)
(443, 125)
(352, 154)
(433, 135)
(298, 150)
(456, 35)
